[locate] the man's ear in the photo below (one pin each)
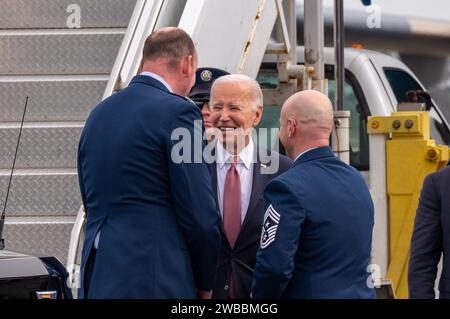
(141, 66)
(259, 113)
(187, 65)
(291, 127)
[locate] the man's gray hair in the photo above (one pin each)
(256, 92)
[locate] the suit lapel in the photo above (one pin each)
(258, 184)
(213, 168)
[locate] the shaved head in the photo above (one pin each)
(310, 108)
(306, 121)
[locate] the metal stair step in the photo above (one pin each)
(52, 98)
(71, 51)
(42, 145)
(35, 192)
(40, 236)
(55, 13)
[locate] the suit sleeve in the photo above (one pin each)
(275, 257)
(426, 243)
(194, 201)
(80, 173)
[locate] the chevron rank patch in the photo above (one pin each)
(269, 229)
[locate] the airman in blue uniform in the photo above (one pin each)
(317, 230)
(152, 222)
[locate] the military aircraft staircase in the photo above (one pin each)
(64, 71)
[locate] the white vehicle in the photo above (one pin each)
(375, 83)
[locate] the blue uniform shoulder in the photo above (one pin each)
(180, 104)
(441, 174)
(285, 162)
(286, 180)
(267, 156)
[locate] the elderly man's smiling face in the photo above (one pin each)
(234, 110)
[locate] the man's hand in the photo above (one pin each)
(202, 294)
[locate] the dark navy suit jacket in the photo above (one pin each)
(158, 219)
(240, 260)
(317, 233)
(431, 238)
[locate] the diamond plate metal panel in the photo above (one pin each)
(56, 52)
(45, 236)
(64, 72)
(53, 13)
(43, 146)
(41, 192)
(51, 98)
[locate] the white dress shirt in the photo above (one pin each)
(245, 170)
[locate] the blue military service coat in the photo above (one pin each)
(317, 232)
(158, 218)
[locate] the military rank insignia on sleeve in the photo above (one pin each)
(270, 225)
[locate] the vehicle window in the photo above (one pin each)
(268, 128)
(269, 125)
(353, 101)
(401, 82)
(359, 139)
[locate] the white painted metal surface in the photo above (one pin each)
(377, 187)
(314, 43)
(241, 48)
(141, 24)
(340, 138)
(73, 267)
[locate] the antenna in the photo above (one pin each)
(2, 219)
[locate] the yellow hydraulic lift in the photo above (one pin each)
(410, 156)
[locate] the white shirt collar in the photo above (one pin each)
(246, 155)
(309, 149)
(157, 77)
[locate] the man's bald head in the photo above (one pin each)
(306, 121)
(310, 108)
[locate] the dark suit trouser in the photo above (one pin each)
(88, 271)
